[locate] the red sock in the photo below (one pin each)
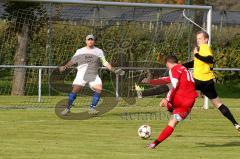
(165, 134)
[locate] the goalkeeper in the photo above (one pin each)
(88, 59)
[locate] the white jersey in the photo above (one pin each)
(86, 57)
(88, 60)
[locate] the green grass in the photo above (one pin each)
(40, 134)
(229, 89)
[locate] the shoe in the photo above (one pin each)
(93, 111)
(139, 90)
(151, 146)
(237, 127)
(65, 111)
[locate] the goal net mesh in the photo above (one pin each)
(129, 36)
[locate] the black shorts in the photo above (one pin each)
(207, 88)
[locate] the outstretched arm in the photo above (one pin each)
(208, 59)
(71, 62)
(109, 67)
(159, 81)
(163, 80)
(67, 65)
(189, 64)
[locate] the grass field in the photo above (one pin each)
(39, 133)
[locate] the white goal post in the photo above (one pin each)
(139, 5)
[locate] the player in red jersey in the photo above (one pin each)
(180, 99)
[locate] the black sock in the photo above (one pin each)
(226, 112)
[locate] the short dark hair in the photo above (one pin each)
(205, 34)
(171, 59)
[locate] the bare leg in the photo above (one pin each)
(76, 88)
(97, 88)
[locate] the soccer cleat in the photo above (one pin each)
(152, 146)
(93, 111)
(237, 127)
(65, 111)
(139, 90)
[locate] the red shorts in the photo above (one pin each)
(182, 106)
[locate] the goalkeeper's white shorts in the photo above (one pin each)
(80, 80)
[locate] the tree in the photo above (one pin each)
(22, 18)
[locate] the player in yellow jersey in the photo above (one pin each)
(204, 77)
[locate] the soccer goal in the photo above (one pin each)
(135, 36)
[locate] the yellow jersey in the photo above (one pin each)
(201, 70)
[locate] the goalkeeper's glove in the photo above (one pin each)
(118, 71)
(62, 68)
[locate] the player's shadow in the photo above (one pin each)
(229, 144)
(108, 103)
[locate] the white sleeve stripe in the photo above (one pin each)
(174, 81)
(168, 95)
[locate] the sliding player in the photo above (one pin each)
(162, 85)
(88, 59)
(180, 99)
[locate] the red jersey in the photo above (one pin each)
(181, 97)
(182, 82)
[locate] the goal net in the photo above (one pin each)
(48, 34)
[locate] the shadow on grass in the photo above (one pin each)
(205, 136)
(229, 144)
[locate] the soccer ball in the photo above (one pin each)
(144, 131)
